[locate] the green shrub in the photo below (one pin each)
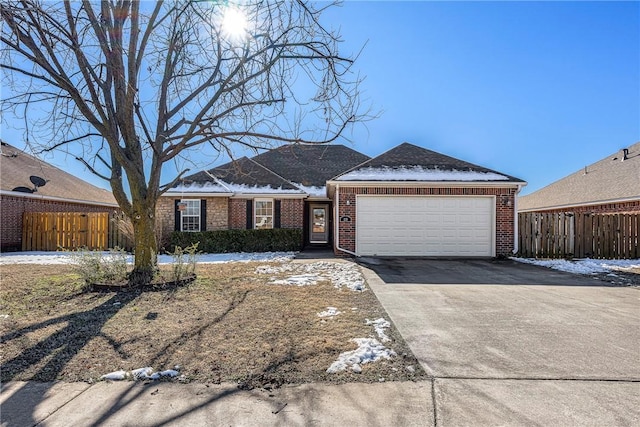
(224, 241)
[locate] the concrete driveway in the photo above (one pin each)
(514, 344)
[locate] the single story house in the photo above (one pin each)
(409, 201)
(610, 185)
(28, 184)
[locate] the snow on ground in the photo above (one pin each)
(379, 325)
(369, 350)
(49, 258)
(140, 374)
(341, 274)
(299, 280)
(329, 312)
(584, 266)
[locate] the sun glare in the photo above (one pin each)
(234, 23)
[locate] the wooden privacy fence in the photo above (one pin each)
(583, 235)
(51, 231)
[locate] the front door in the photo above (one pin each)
(318, 223)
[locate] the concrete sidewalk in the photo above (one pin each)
(172, 404)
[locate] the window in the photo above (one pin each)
(189, 215)
(263, 213)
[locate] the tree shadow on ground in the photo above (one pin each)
(60, 347)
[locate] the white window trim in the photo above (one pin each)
(182, 215)
(255, 202)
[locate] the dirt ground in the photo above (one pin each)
(228, 325)
(627, 277)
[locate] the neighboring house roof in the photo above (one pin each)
(17, 169)
(609, 180)
(239, 176)
(408, 162)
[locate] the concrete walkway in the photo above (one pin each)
(171, 404)
(560, 350)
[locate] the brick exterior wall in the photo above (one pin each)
(237, 214)
(292, 213)
(623, 207)
(504, 215)
(12, 208)
(217, 214)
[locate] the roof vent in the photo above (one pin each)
(625, 154)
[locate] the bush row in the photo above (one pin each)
(223, 241)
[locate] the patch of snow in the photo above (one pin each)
(115, 376)
(299, 280)
(418, 173)
(329, 312)
(341, 274)
(141, 374)
(64, 257)
(584, 266)
(379, 325)
(369, 350)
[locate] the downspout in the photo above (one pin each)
(337, 219)
(515, 220)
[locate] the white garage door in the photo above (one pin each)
(425, 226)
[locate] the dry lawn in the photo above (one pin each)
(228, 325)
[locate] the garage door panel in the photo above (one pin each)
(425, 225)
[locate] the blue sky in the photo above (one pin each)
(536, 90)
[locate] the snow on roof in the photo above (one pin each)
(200, 187)
(418, 173)
(264, 189)
(213, 187)
(313, 191)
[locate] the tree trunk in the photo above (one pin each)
(146, 249)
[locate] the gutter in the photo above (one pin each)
(337, 220)
(515, 220)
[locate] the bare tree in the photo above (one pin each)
(129, 86)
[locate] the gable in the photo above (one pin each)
(408, 162)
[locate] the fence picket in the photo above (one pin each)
(558, 235)
(50, 231)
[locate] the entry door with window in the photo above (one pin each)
(318, 223)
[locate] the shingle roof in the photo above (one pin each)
(16, 168)
(408, 162)
(606, 180)
(310, 165)
(243, 175)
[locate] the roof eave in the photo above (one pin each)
(578, 204)
(57, 199)
(187, 194)
(440, 184)
(269, 195)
